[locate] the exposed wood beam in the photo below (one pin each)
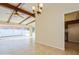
(72, 22)
(12, 13)
(16, 8)
(19, 4)
(30, 22)
(10, 17)
(25, 19)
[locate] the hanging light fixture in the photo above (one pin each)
(37, 9)
(41, 5)
(33, 8)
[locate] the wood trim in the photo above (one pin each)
(16, 8)
(66, 32)
(72, 22)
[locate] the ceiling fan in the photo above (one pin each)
(16, 13)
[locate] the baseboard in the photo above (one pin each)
(50, 45)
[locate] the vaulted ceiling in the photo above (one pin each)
(25, 17)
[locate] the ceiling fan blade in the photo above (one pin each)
(21, 16)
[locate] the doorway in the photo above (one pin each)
(72, 32)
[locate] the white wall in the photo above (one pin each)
(50, 28)
(70, 7)
(50, 24)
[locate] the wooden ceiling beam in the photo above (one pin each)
(12, 13)
(16, 8)
(10, 17)
(30, 22)
(19, 4)
(25, 19)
